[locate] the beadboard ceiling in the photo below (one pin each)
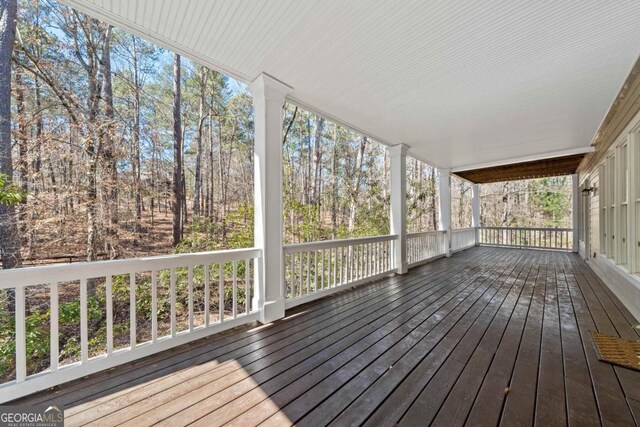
(464, 83)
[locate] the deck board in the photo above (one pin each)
(438, 345)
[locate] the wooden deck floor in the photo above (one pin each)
(439, 346)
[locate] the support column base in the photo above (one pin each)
(404, 267)
(272, 311)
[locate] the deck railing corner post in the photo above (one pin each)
(475, 211)
(444, 187)
(268, 100)
(576, 207)
(398, 208)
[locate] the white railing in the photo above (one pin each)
(516, 237)
(462, 238)
(67, 321)
(313, 270)
(425, 245)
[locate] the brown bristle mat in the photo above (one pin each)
(617, 351)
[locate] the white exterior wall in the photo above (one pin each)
(624, 281)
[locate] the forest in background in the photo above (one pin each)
(542, 202)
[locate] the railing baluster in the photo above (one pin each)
(332, 266)
(247, 283)
(53, 327)
(341, 265)
(235, 289)
(154, 306)
(109, 295)
(207, 293)
(221, 292)
(84, 323)
(172, 296)
(132, 310)
(190, 296)
(362, 262)
(323, 270)
(300, 282)
(292, 283)
(356, 262)
(21, 335)
(315, 271)
(308, 272)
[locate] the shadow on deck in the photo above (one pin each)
(489, 336)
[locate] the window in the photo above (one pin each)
(621, 204)
(604, 211)
(634, 202)
(611, 205)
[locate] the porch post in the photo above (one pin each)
(575, 186)
(444, 184)
(475, 210)
(268, 100)
(398, 214)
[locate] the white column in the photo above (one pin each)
(268, 100)
(398, 217)
(444, 184)
(475, 210)
(576, 208)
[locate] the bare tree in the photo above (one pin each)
(110, 181)
(197, 190)
(177, 154)
(9, 234)
(355, 189)
(317, 158)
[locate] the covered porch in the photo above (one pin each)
(488, 336)
(445, 326)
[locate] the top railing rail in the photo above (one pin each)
(528, 228)
(326, 244)
(62, 272)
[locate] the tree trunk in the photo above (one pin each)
(434, 213)
(23, 141)
(9, 234)
(110, 184)
(93, 139)
(197, 190)
(317, 158)
(177, 154)
(505, 203)
(37, 161)
(136, 134)
(355, 189)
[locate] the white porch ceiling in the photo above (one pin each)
(464, 83)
